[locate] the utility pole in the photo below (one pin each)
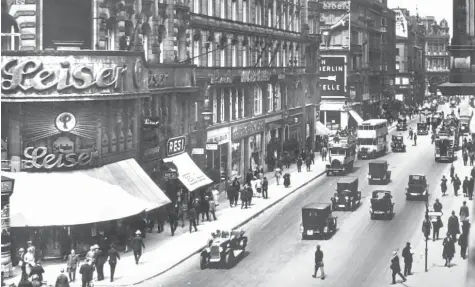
(427, 236)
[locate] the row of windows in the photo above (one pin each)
(285, 17)
(436, 48)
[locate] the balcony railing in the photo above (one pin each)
(10, 41)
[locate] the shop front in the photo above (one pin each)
(249, 138)
(274, 139)
(72, 135)
(293, 128)
(219, 156)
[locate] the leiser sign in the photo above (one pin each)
(332, 76)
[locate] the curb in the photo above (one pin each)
(237, 226)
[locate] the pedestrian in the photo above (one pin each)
(162, 217)
(465, 157)
(437, 224)
(258, 183)
(72, 264)
(137, 246)
(396, 268)
(173, 220)
(91, 254)
(463, 243)
(312, 156)
(87, 272)
(449, 250)
(426, 227)
(456, 183)
(249, 176)
(249, 195)
(22, 264)
(452, 170)
(205, 208)
(319, 263)
(212, 209)
(181, 210)
(410, 133)
(38, 270)
(437, 206)
(192, 218)
(278, 175)
(230, 194)
(415, 139)
(308, 162)
(265, 187)
(299, 164)
(113, 256)
(62, 280)
(407, 255)
(215, 195)
(453, 227)
(472, 158)
(237, 188)
(465, 186)
(243, 193)
(100, 261)
(287, 180)
(463, 213)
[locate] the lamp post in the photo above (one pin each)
(427, 237)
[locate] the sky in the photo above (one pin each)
(440, 9)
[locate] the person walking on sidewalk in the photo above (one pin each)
(258, 184)
(426, 227)
(443, 185)
(249, 195)
(407, 255)
(318, 263)
(396, 268)
(436, 225)
(100, 261)
(72, 264)
(308, 162)
(137, 246)
(464, 213)
(87, 272)
(323, 153)
(173, 220)
(113, 256)
(249, 176)
(278, 175)
(192, 217)
(452, 171)
(62, 280)
(265, 187)
(465, 186)
(299, 164)
(415, 139)
(411, 133)
(243, 193)
(204, 208)
(181, 209)
(463, 242)
(453, 226)
(456, 183)
(212, 209)
(449, 250)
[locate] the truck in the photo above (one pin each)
(447, 139)
(341, 152)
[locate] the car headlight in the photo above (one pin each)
(221, 249)
(336, 197)
(369, 175)
(325, 229)
(346, 197)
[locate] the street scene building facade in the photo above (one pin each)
(358, 49)
(437, 58)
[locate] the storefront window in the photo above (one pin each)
(255, 150)
(236, 159)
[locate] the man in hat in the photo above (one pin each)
(396, 268)
(113, 255)
(22, 264)
(72, 264)
(62, 280)
(87, 272)
(100, 261)
(137, 245)
(463, 211)
(407, 255)
(37, 269)
(318, 263)
(90, 255)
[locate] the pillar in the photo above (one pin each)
(245, 155)
(168, 42)
(7, 191)
(325, 117)
(136, 130)
(229, 166)
(264, 150)
(343, 119)
(14, 139)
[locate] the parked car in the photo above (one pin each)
(381, 204)
(397, 143)
(417, 187)
(224, 249)
(347, 196)
(422, 129)
(317, 220)
(379, 171)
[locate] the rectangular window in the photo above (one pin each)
(244, 11)
(210, 8)
(269, 17)
(196, 53)
(269, 56)
(223, 9)
(277, 57)
(215, 107)
(397, 81)
(278, 103)
(196, 6)
(236, 104)
(210, 55)
(284, 58)
(234, 10)
(222, 58)
(257, 101)
(397, 51)
(233, 56)
(244, 56)
(397, 66)
(270, 104)
(222, 107)
(243, 106)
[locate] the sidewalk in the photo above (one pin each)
(438, 274)
(163, 252)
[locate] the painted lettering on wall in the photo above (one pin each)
(156, 81)
(32, 75)
(255, 76)
(38, 157)
(176, 146)
(332, 76)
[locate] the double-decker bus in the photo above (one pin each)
(372, 138)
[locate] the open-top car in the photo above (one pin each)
(224, 248)
(347, 196)
(379, 171)
(417, 187)
(381, 204)
(397, 143)
(401, 124)
(317, 220)
(422, 128)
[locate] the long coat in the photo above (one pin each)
(453, 226)
(62, 281)
(449, 248)
(395, 267)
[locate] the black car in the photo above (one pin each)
(317, 220)
(401, 124)
(422, 128)
(381, 204)
(397, 143)
(347, 195)
(417, 187)
(379, 171)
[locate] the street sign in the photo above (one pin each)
(167, 175)
(211, 146)
(151, 122)
(332, 76)
(434, 213)
(198, 150)
(176, 146)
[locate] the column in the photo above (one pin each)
(229, 166)
(325, 117)
(245, 155)
(135, 123)
(7, 191)
(343, 120)
(264, 151)
(14, 139)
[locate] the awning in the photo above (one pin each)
(71, 198)
(331, 106)
(189, 173)
(356, 116)
(453, 89)
(321, 129)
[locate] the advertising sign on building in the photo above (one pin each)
(211, 146)
(401, 24)
(332, 76)
(176, 146)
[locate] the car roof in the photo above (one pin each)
(347, 179)
(418, 174)
(379, 161)
(381, 191)
(320, 206)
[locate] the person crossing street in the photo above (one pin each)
(318, 263)
(396, 268)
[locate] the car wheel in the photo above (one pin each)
(203, 262)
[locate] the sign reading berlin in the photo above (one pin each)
(332, 76)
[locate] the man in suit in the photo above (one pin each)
(87, 272)
(72, 264)
(137, 245)
(62, 280)
(113, 255)
(173, 220)
(407, 255)
(100, 261)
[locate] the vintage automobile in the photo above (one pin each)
(397, 143)
(401, 124)
(417, 187)
(422, 128)
(317, 220)
(379, 171)
(381, 204)
(224, 249)
(347, 196)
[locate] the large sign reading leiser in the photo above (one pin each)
(176, 146)
(332, 76)
(39, 158)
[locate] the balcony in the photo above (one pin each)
(230, 75)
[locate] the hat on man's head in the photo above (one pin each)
(21, 250)
(394, 253)
(96, 246)
(138, 232)
(62, 270)
(29, 242)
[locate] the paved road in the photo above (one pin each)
(358, 255)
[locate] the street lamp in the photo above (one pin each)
(427, 237)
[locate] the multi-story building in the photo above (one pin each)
(256, 72)
(355, 56)
(410, 45)
(94, 94)
(437, 53)
(462, 51)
